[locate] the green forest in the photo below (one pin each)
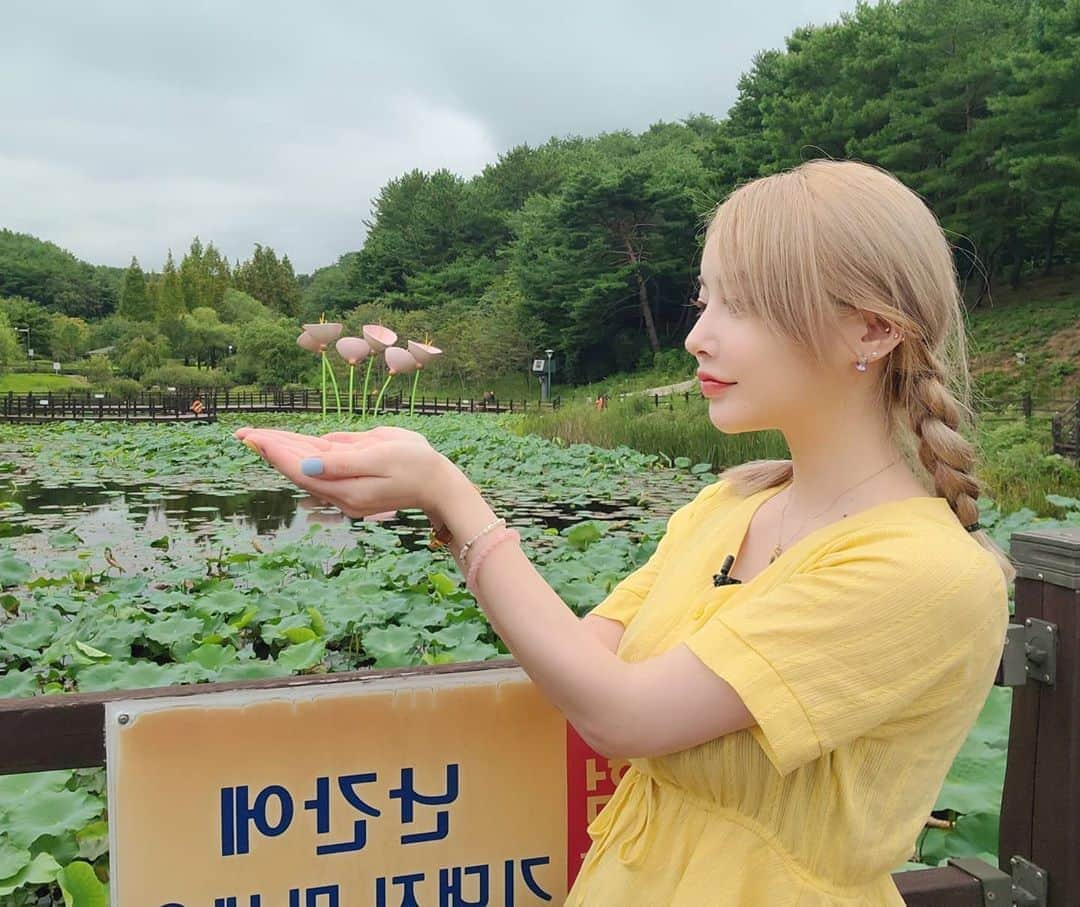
(588, 245)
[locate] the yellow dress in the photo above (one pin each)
(865, 653)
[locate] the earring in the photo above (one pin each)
(861, 364)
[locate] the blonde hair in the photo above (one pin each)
(800, 246)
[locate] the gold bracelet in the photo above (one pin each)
(465, 548)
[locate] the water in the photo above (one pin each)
(122, 521)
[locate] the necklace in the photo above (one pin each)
(779, 546)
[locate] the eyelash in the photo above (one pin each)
(695, 300)
(699, 306)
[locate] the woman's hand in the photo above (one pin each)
(361, 473)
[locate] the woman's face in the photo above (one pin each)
(776, 382)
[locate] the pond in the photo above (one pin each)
(136, 522)
(147, 556)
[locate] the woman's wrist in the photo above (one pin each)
(456, 504)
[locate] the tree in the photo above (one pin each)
(270, 281)
(10, 351)
(424, 224)
(26, 314)
(328, 290)
(1035, 130)
(267, 353)
(134, 299)
(610, 256)
(171, 307)
(204, 276)
(203, 337)
(217, 275)
(194, 282)
(139, 357)
(98, 370)
(69, 337)
(54, 278)
(237, 307)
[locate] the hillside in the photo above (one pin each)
(44, 273)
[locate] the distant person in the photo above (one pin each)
(792, 672)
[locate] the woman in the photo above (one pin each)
(789, 720)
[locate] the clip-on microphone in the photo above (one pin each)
(722, 578)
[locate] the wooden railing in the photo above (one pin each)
(206, 404)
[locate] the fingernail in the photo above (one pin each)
(311, 466)
(247, 442)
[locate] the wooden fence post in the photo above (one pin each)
(1040, 808)
(1076, 432)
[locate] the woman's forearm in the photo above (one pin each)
(572, 667)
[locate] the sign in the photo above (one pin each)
(465, 788)
(539, 365)
(56, 367)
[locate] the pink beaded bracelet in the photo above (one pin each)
(478, 558)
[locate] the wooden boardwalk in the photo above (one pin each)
(198, 405)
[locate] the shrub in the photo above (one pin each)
(185, 376)
(98, 369)
(123, 388)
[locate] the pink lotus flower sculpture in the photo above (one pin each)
(325, 332)
(353, 350)
(316, 338)
(378, 338)
(400, 362)
(309, 343)
(423, 353)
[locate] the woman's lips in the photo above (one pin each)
(711, 388)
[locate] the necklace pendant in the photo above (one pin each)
(775, 554)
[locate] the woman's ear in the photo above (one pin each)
(866, 334)
(881, 336)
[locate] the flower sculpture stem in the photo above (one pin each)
(327, 368)
(378, 399)
(412, 399)
(367, 377)
(333, 379)
(352, 371)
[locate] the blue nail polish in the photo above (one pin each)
(311, 466)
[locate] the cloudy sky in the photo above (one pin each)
(129, 126)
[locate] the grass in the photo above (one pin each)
(1042, 322)
(1015, 459)
(27, 383)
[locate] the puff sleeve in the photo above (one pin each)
(884, 623)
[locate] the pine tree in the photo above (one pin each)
(216, 269)
(134, 300)
(193, 278)
(171, 302)
(270, 281)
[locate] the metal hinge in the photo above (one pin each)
(1025, 888)
(1029, 883)
(1030, 653)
